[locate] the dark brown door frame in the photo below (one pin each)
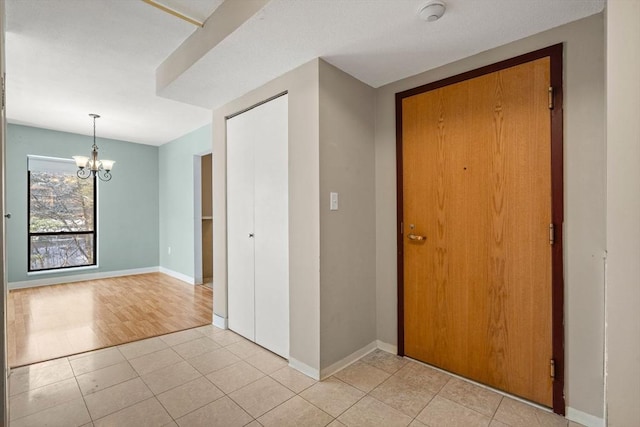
(557, 200)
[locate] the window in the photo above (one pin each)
(61, 215)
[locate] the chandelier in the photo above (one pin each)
(91, 166)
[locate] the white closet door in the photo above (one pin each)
(272, 226)
(240, 211)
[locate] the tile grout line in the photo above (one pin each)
(199, 407)
(166, 409)
(350, 385)
(425, 406)
(336, 417)
(240, 406)
(293, 391)
(82, 395)
(452, 378)
(493, 416)
(466, 407)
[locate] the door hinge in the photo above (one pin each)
(552, 368)
(3, 90)
(551, 97)
(552, 234)
(401, 227)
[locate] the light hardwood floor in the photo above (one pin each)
(60, 320)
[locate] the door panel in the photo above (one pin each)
(272, 228)
(477, 184)
(240, 246)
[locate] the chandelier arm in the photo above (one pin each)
(83, 173)
(104, 175)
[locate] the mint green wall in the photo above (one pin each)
(177, 216)
(127, 205)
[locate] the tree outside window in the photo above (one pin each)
(61, 214)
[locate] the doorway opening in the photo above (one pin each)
(203, 224)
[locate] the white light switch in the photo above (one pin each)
(334, 202)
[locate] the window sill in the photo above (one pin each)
(62, 270)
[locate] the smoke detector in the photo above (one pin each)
(432, 11)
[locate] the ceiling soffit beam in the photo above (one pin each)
(173, 12)
(226, 19)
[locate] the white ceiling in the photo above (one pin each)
(68, 58)
(376, 41)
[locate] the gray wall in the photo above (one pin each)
(332, 255)
(584, 181)
(347, 236)
(177, 215)
(623, 213)
(304, 221)
(127, 205)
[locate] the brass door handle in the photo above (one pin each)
(416, 237)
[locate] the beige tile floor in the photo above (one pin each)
(211, 377)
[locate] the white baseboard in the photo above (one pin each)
(389, 348)
(341, 364)
(352, 358)
(220, 322)
(44, 281)
(305, 369)
(190, 280)
(583, 418)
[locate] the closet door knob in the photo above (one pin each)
(8, 216)
(251, 235)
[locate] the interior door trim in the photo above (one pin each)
(555, 54)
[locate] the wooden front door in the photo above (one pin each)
(476, 228)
